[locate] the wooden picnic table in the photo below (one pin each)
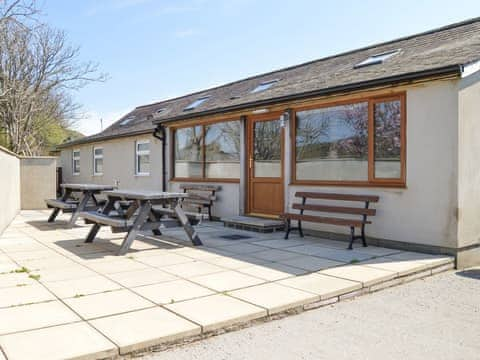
(68, 203)
(139, 216)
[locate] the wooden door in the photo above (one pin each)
(265, 165)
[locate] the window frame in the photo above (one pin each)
(139, 153)
(372, 181)
(203, 124)
(73, 161)
(95, 158)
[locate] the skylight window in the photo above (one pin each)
(127, 120)
(160, 110)
(264, 86)
(377, 58)
(196, 103)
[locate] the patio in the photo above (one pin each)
(64, 298)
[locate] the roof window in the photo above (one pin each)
(376, 59)
(196, 103)
(264, 86)
(127, 120)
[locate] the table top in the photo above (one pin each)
(98, 187)
(135, 194)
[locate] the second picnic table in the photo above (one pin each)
(68, 203)
(139, 216)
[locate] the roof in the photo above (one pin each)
(437, 52)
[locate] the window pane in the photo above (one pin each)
(143, 146)
(98, 166)
(267, 149)
(332, 143)
(387, 139)
(222, 150)
(98, 152)
(76, 166)
(188, 152)
(143, 164)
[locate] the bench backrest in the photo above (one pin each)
(329, 208)
(199, 195)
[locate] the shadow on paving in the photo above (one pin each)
(472, 273)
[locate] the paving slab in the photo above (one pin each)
(172, 291)
(274, 297)
(217, 311)
(64, 273)
(400, 266)
(117, 266)
(310, 263)
(342, 255)
(230, 262)
(144, 328)
(164, 260)
(19, 295)
(366, 275)
(108, 303)
(243, 248)
(34, 316)
(435, 260)
(71, 341)
(192, 268)
(141, 277)
(15, 279)
(279, 243)
(227, 280)
(275, 271)
(83, 286)
(325, 286)
(274, 255)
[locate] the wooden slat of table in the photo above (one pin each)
(92, 187)
(145, 194)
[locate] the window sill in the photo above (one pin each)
(99, 174)
(75, 174)
(142, 175)
(396, 185)
(203, 180)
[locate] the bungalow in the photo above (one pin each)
(398, 119)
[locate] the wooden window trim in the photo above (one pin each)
(202, 179)
(372, 181)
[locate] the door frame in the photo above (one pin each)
(250, 120)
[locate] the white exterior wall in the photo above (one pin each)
(425, 211)
(469, 161)
(9, 187)
(118, 164)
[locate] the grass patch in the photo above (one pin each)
(78, 295)
(34, 276)
(354, 261)
(18, 285)
(23, 269)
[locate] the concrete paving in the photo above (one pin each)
(435, 318)
(165, 290)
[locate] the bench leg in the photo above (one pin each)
(189, 230)
(81, 207)
(53, 215)
(287, 228)
(364, 241)
(142, 217)
(153, 218)
(352, 237)
(93, 232)
(300, 230)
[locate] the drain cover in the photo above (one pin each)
(235, 237)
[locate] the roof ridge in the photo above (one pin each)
(403, 38)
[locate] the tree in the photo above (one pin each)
(38, 71)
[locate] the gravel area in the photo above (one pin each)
(434, 318)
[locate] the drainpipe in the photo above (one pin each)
(159, 133)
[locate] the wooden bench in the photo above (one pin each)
(352, 223)
(60, 204)
(200, 197)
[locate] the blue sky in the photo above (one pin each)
(157, 49)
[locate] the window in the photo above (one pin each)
(142, 157)
(127, 120)
(76, 162)
(264, 86)
(196, 103)
(209, 151)
(97, 161)
(377, 59)
(357, 143)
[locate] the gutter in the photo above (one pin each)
(87, 140)
(446, 70)
(159, 133)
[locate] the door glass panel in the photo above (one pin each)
(267, 149)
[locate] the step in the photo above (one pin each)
(253, 223)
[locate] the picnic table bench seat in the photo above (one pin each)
(339, 220)
(64, 205)
(197, 217)
(108, 220)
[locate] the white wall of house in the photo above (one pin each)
(118, 164)
(469, 161)
(9, 187)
